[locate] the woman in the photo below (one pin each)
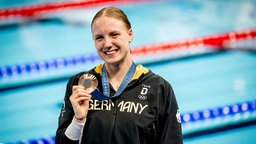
(136, 107)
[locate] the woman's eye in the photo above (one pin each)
(98, 38)
(114, 35)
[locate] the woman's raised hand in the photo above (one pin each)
(80, 102)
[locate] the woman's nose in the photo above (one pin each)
(107, 43)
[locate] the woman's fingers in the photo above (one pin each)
(79, 96)
(77, 87)
(82, 98)
(79, 91)
(80, 101)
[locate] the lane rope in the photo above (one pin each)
(38, 10)
(192, 46)
(186, 118)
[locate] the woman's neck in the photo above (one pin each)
(117, 72)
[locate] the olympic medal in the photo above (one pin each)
(89, 81)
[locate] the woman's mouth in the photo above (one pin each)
(111, 52)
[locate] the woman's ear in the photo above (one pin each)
(130, 33)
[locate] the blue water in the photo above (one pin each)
(199, 83)
(167, 21)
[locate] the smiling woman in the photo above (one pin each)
(124, 117)
(112, 40)
(175, 39)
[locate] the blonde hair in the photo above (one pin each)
(112, 12)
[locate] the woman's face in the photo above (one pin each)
(112, 39)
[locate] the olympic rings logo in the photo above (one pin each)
(142, 97)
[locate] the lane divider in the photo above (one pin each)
(188, 118)
(28, 73)
(197, 45)
(35, 11)
(43, 140)
(219, 112)
(42, 66)
(219, 41)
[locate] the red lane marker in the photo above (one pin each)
(34, 10)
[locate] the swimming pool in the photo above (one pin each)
(30, 102)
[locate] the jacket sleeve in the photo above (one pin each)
(66, 115)
(169, 118)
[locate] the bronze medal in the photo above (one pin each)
(89, 81)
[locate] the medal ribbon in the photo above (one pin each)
(105, 84)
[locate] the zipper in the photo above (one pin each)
(115, 108)
(114, 118)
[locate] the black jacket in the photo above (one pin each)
(145, 113)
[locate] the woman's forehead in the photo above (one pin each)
(103, 23)
(108, 20)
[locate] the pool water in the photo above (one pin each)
(31, 102)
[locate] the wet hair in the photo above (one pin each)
(113, 12)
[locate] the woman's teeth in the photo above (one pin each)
(110, 52)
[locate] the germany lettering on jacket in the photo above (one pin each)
(123, 106)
